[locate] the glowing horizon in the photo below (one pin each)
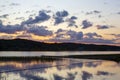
(79, 21)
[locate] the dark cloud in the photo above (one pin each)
(93, 12)
(58, 20)
(3, 6)
(79, 35)
(118, 12)
(98, 41)
(27, 12)
(20, 18)
(10, 29)
(14, 4)
(39, 30)
(115, 35)
(92, 35)
(43, 16)
(103, 26)
(59, 17)
(86, 24)
(62, 13)
(73, 35)
(1, 24)
(73, 17)
(71, 21)
(4, 16)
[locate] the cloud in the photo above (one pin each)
(118, 12)
(25, 36)
(6, 37)
(1, 24)
(115, 35)
(36, 30)
(58, 20)
(73, 17)
(20, 18)
(104, 26)
(43, 16)
(97, 41)
(62, 13)
(71, 21)
(59, 17)
(79, 35)
(86, 24)
(92, 35)
(93, 12)
(3, 6)
(4, 16)
(39, 30)
(67, 35)
(14, 4)
(10, 29)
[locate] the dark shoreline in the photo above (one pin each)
(110, 57)
(29, 45)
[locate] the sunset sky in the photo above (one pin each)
(78, 21)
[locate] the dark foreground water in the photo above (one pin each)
(63, 69)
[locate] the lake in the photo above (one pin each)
(45, 53)
(61, 69)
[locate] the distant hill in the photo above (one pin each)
(28, 45)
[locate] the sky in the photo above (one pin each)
(51, 21)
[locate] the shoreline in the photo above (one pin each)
(110, 57)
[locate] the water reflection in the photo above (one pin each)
(64, 69)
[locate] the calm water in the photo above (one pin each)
(4, 53)
(64, 69)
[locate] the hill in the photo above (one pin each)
(28, 45)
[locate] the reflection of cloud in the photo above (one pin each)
(30, 76)
(103, 73)
(93, 64)
(86, 75)
(101, 70)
